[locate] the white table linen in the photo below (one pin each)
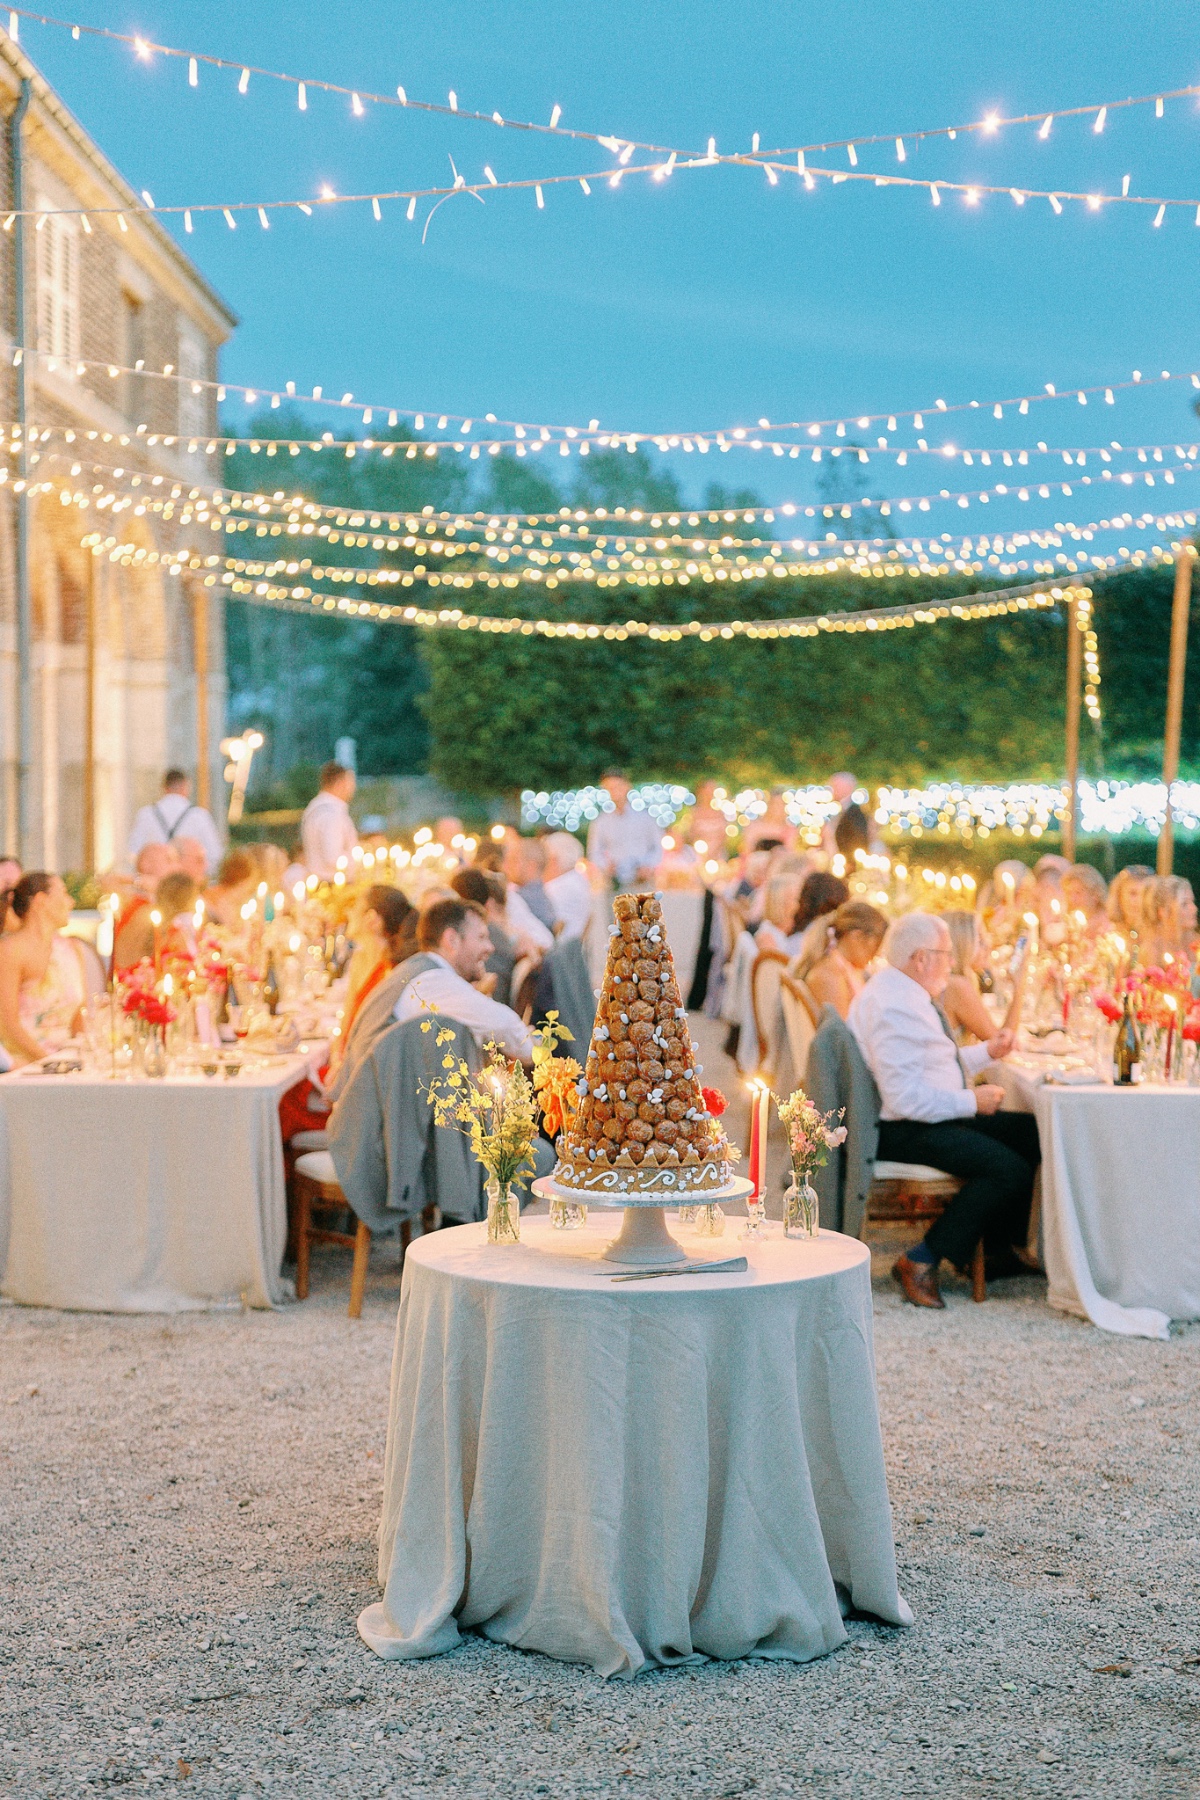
(143, 1196)
(1120, 1196)
(632, 1473)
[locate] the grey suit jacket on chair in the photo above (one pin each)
(837, 1076)
(391, 1159)
(374, 1017)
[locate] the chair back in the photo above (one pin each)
(766, 977)
(801, 1016)
(564, 985)
(837, 1077)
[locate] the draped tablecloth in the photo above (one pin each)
(143, 1196)
(1120, 1197)
(623, 1473)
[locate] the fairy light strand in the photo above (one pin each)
(360, 98)
(254, 394)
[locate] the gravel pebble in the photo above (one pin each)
(164, 1472)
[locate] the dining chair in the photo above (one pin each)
(317, 1192)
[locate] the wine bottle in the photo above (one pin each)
(1127, 1051)
(271, 985)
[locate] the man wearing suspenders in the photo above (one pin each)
(173, 817)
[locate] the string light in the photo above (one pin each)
(734, 437)
(988, 126)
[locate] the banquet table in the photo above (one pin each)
(153, 1196)
(1120, 1193)
(624, 1473)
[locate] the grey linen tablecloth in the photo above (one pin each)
(1120, 1195)
(143, 1196)
(629, 1473)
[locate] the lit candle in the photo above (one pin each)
(156, 921)
(1170, 1004)
(754, 1132)
(764, 1120)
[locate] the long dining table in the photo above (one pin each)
(1120, 1192)
(154, 1196)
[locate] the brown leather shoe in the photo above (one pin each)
(919, 1282)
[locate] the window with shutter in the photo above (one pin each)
(57, 264)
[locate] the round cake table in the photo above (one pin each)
(621, 1472)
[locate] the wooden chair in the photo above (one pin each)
(912, 1194)
(766, 975)
(317, 1191)
(801, 1016)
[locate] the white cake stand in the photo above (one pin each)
(643, 1237)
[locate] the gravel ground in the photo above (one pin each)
(189, 1512)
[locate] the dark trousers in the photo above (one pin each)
(997, 1156)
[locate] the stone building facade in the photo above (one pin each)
(126, 667)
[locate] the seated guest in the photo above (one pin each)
(781, 897)
(448, 832)
(491, 893)
(133, 929)
(567, 884)
(929, 1112)
(175, 900)
(237, 881)
(962, 1002)
(455, 934)
(381, 927)
(531, 936)
(525, 867)
(1125, 898)
(820, 895)
(489, 855)
(835, 971)
(1168, 930)
(1005, 899)
(193, 859)
(10, 874)
(270, 865)
(1085, 893)
(42, 984)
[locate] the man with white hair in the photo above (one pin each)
(567, 883)
(930, 1113)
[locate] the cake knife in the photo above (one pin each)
(733, 1265)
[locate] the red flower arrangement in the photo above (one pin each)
(141, 1001)
(714, 1100)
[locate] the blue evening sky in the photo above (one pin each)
(711, 298)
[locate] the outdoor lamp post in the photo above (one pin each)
(240, 751)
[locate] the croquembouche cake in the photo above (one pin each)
(641, 1130)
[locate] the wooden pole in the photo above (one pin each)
(89, 722)
(200, 642)
(1181, 606)
(1074, 702)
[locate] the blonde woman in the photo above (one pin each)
(780, 897)
(835, 966)
(1085, 891)
(962, 1003)
(1125, 897)
(1168, 927)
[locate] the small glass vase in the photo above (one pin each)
(503, 1213)
(686, 1215)
(154, 1055)
(756, 1215)
(710, 1221)
(801, 1208)
(567, 1215)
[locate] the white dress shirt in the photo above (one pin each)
(919, 1070)
(621, 843)
(327, 832)
(171, 817)
(525, 926)
(443, 990)
(571, 897)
